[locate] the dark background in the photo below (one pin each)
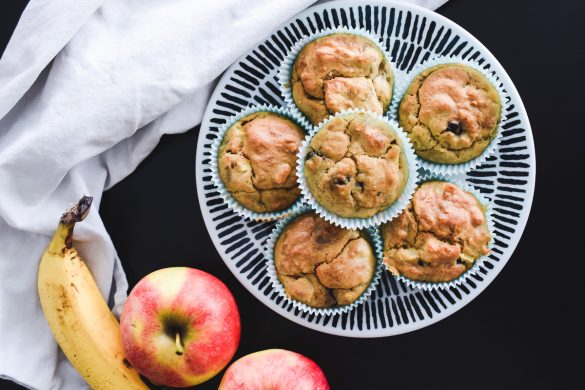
(524, 331)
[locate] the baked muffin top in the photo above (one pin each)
(355, 165)
(257, 160)
(439, 236)
(323, 265)
(341, 71)
(452, 113)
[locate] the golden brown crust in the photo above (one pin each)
(452, 113)
(341, 71)
(356, 166)
(323, 265)
(307, 289)
(257, 160)
(439, 236)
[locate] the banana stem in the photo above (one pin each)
(179, 346)
(76, 213)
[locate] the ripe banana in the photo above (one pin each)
(78, 316)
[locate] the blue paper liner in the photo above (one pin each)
(383, 216)
(403, 81)
(216, 179)
(478, 262)
(286, 67)
(375, 242)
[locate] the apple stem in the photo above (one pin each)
(179, 351)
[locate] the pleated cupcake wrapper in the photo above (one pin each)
(375, 241)
(286, 67)
(475, 268)
(403, 81)
(383, 216)
(216, 179)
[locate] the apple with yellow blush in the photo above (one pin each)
(180, 326)
(274, 369)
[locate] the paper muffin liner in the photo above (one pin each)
(403, 81)
(383, 216)
(477, 263)
(286, 67)
(216, 179)
(377, 246)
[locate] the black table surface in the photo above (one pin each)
(524, 331)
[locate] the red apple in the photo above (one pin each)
(180, 326)
(274, 369)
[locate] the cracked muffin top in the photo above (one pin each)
(257, 160)
(439, 236)
(451, 113)
(323, 265)
(341, 71)
(355, 166)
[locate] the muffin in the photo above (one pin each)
(355, 165)
(341, 71)
(439, 236)
(451, 112)
(257, 160)
(322, 265)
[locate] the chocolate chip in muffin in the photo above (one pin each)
(313, 153)
(451, 112)
(341, 181)
(454, 127)
(362, 169)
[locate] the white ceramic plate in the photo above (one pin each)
(412, 35)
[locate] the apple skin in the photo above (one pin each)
(185, 300)
(275, 369)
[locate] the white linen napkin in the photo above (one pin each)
(87, 88)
